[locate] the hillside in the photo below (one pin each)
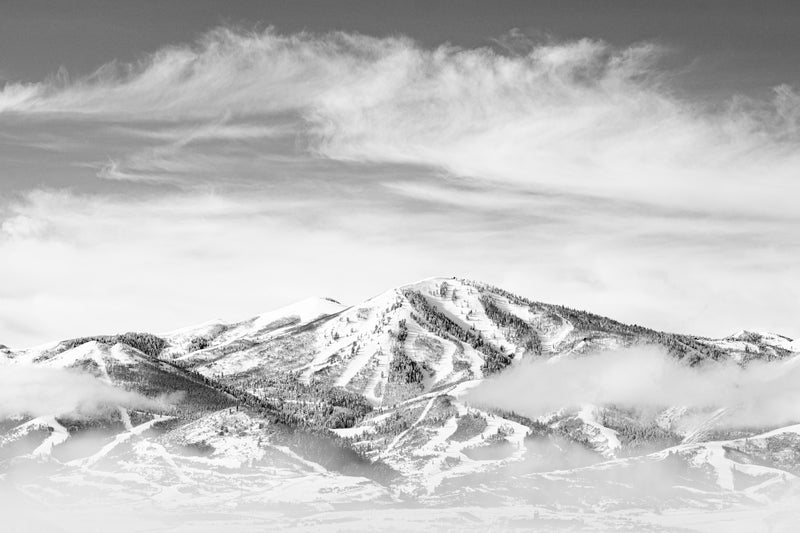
(374, 399)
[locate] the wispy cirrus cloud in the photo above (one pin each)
(576, 114)
(569, 171)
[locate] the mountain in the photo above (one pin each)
(321, 408)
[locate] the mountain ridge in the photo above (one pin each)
(309, 302)
(381, 390)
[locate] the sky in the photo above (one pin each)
(166, 163)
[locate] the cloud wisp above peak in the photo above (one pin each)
(574, 115)
(572, 164)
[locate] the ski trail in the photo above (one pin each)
(123, 412)
(58, 435)
(126, 418)
(551, 344)
(443, 368)
(708, 424)
(316, 467)
(322, 359)
(357, 362)
(378, 374)
(119, 439)
(422, 416)
(605, 437)
(165, 455)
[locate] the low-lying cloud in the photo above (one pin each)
(760, 394)
(37, 391)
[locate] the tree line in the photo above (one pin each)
(403, 369)
(438, 323)
(692, 349)
(147, 343)
(519, 331)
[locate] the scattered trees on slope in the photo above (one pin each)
(438, 323)
(152, 378)
(287, 400)
(519, 331)
(402, 368)
(198, 343)
(692, 349)
(334, 453)
(146, 343)
(637, 435)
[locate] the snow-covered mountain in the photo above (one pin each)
(321, 405)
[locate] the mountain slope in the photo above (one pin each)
(380, 391)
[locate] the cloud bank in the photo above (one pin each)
(38, 391)
(761, 395)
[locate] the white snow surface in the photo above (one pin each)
(241, 473)
(604, 439)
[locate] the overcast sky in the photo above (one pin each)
(165, 163)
